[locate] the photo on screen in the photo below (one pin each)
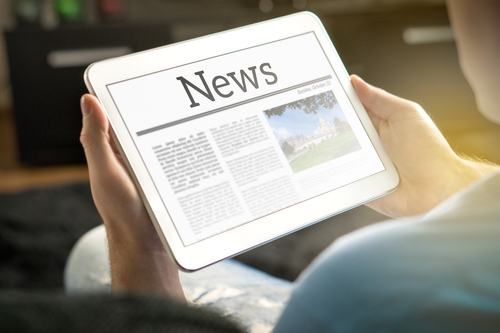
(312, 131)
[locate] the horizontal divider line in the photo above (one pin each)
(227, 107)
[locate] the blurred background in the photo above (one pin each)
(403, 46)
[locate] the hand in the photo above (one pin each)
(139, 262)
(429, 169)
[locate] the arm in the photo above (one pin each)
(429, 169)
(138, 260)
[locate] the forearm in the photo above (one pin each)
(461, 172)
(136, 268)
(476, 168)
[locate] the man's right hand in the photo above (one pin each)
(430, 171)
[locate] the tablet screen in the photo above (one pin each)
(241, 135)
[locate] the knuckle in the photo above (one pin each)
(416, 106)
(86, 140)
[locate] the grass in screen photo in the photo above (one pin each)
(312, 131)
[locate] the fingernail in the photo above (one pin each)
(85, 106)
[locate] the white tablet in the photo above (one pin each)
(241, 137)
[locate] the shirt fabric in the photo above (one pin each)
(436, 273)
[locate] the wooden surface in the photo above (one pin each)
(15, 177)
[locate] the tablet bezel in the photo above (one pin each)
(267, 228)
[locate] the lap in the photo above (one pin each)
(253, 298)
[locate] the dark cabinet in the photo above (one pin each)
(46, 70)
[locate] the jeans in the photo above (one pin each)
(249, 296)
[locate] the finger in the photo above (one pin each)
(95, 134)
(107, 173)
(381, 103)
(376, 120)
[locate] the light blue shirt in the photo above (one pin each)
(438, 273)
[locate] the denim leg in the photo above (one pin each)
(251, 297)
(87, 267)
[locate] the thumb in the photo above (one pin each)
(381, 103)
(94, 136)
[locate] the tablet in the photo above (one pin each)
(241, 137)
